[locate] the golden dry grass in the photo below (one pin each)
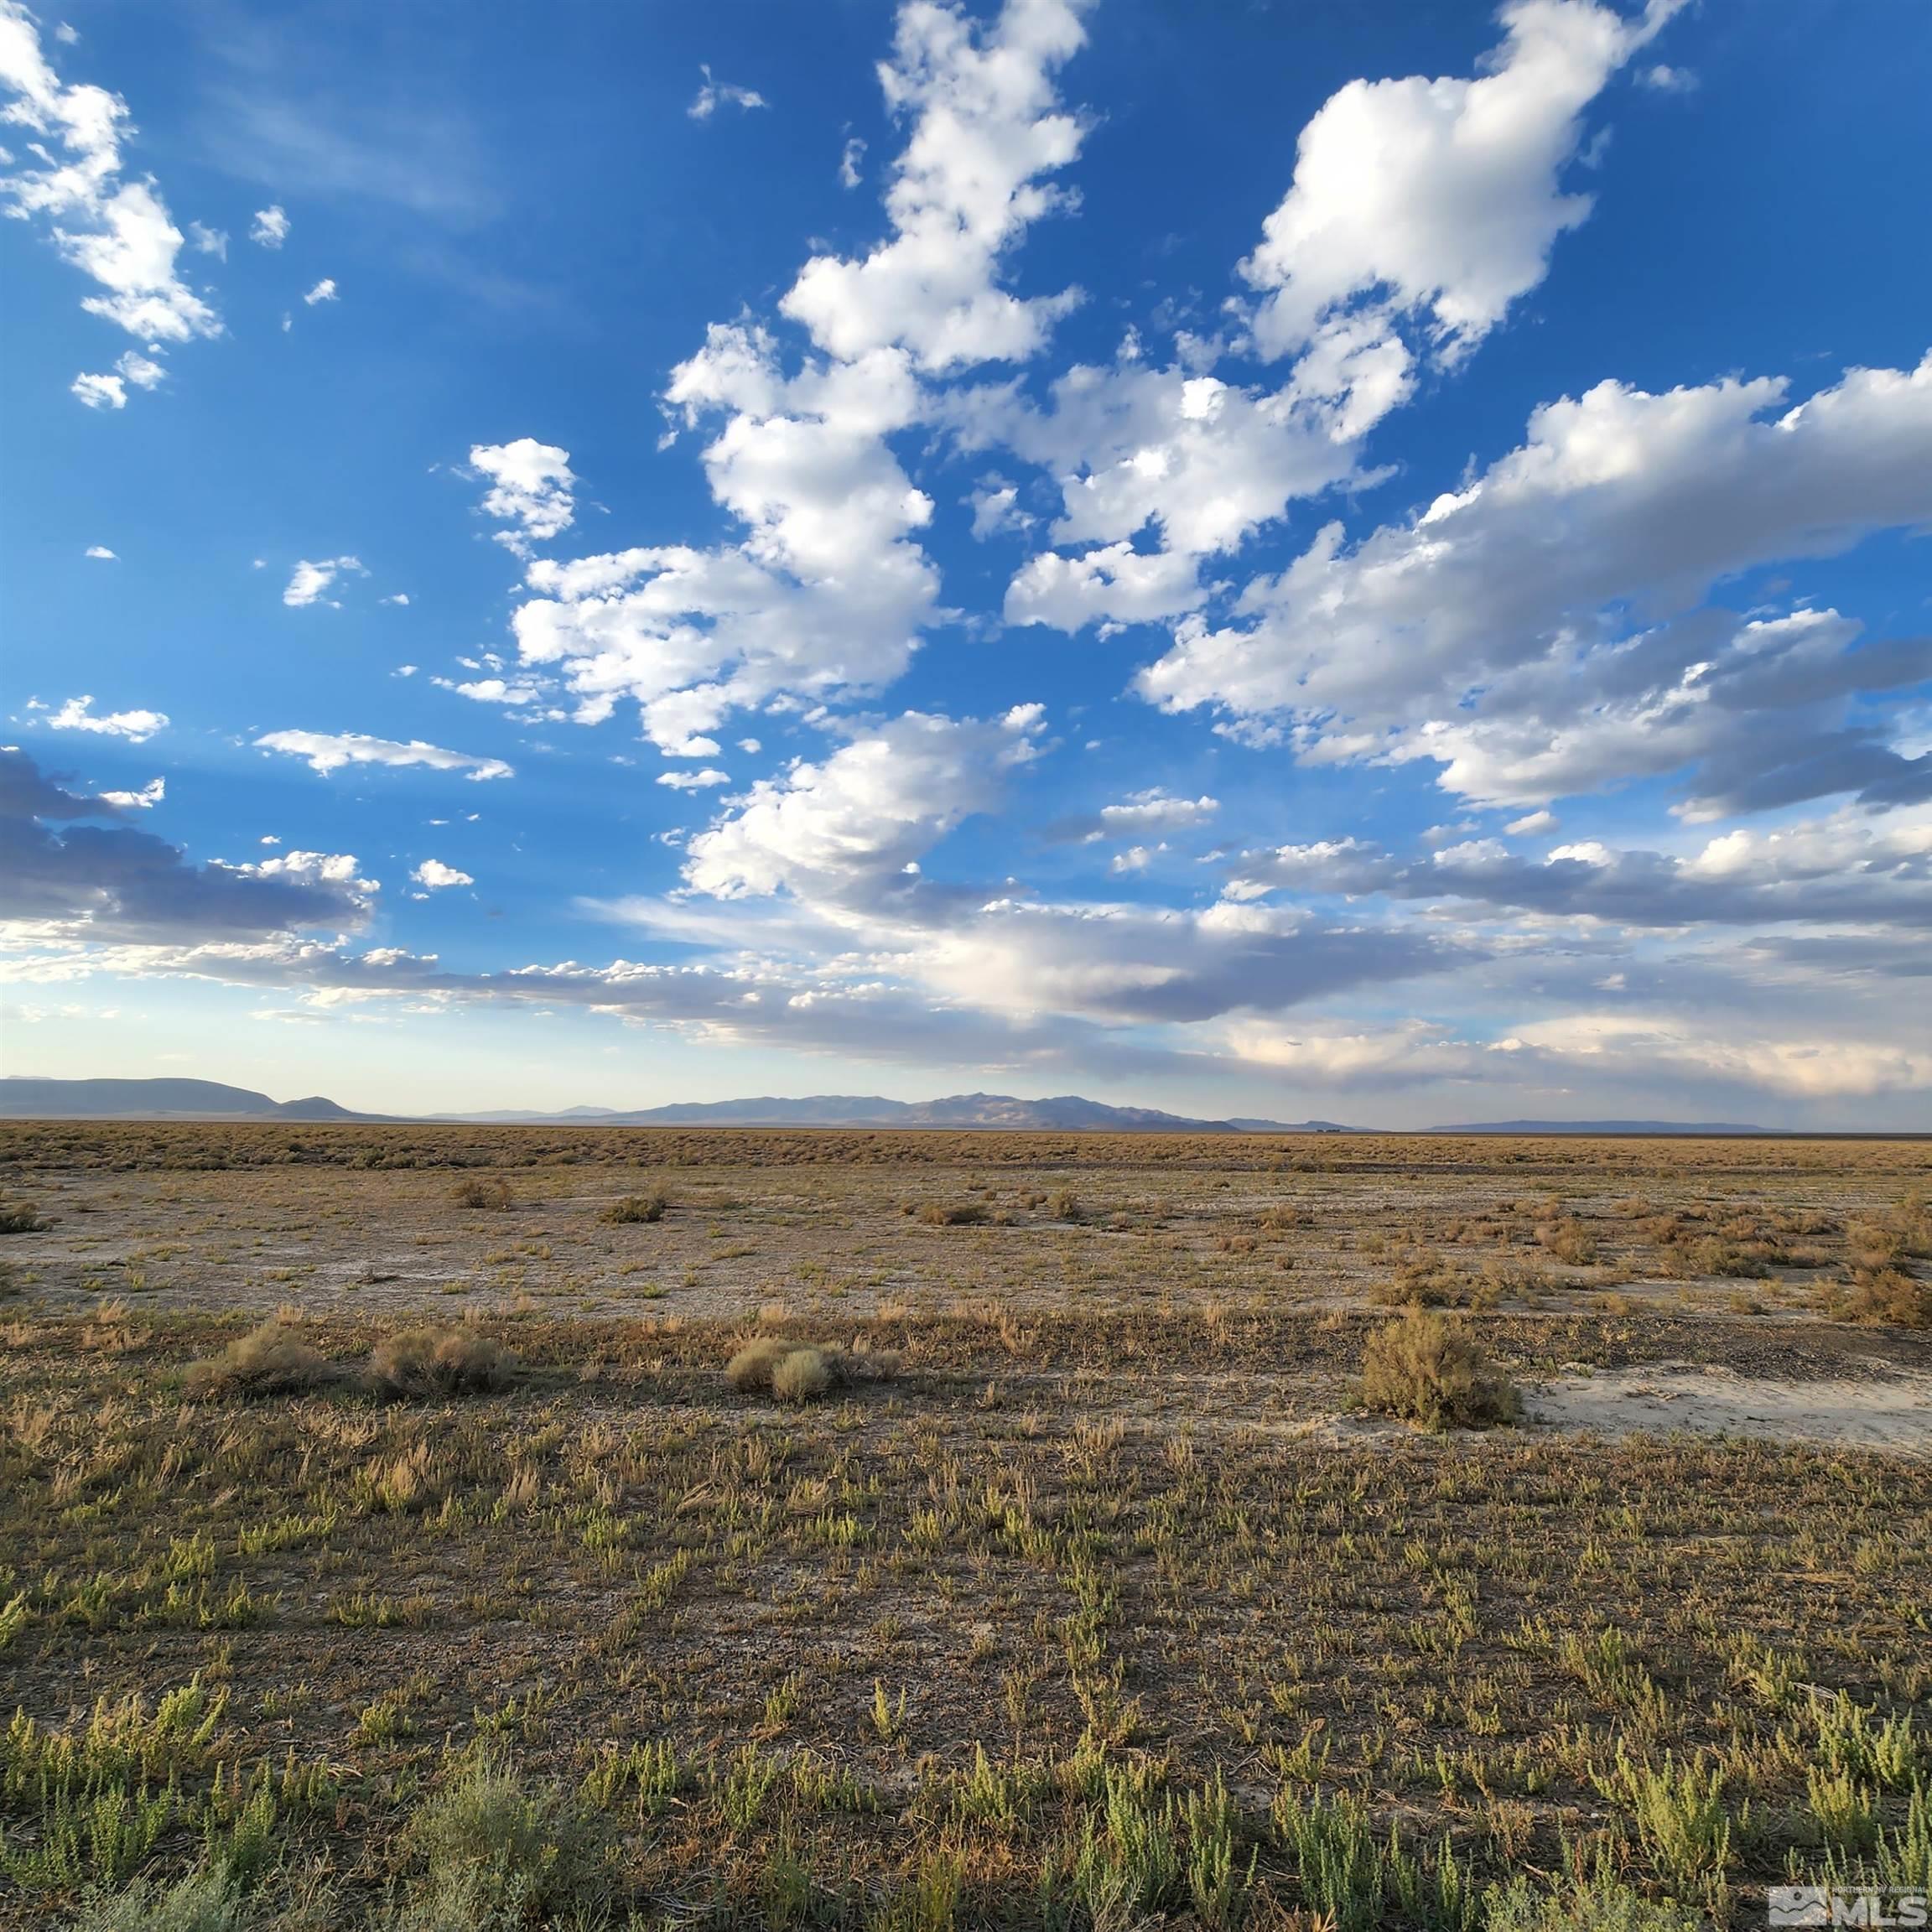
(1101, 1604)
(272, 1359)
(422, 1362)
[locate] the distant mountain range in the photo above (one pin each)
(1607, 1127)
(1067, 1113)
(31, 1099)
(27, 1098)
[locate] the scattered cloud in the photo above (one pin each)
(117, 231)
(715, 94)
(1200, 462)
(827, 594)
(1115, 583)
(76, 714)
(208, 240)
(150, 794)
(703, 780)
(851, 163)
(308, 582)
(324, 291)
(1151, 811)
(433, 876)
(270, 228)
(99, 392)
(328, 752)
(490, 690)
(1851, 866)
(131, 369)
(1415, 204)
(101, 553)
(996, 507)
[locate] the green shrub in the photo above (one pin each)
(1129, 1863)
(203, 1901)
(491, 1853)
(1603, 1906)
(1340, 1858)
(1681, 1817)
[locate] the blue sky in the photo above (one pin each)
(1355, 560)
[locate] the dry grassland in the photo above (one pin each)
(383, 1542)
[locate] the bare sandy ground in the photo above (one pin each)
(1892, 1414)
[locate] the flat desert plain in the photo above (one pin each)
(1085, 1536)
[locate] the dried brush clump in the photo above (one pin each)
(1880, 1287)
(1428, 1370)
(1568, 1239)
(633, 1208)
(1430, 1279)
(20, 1218)
(803, 1376)
(791, 1371)
(271, 1360)
(421, 1361)
(484, 1190)
(952, 1213)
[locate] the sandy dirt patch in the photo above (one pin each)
(1893, 1413)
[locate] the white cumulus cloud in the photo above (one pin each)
(433, 876)
(531, 488)
(77, 714)
(270, 228)
(988, 128)
(1539, 631)
(1436, 200)
(845, 826)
